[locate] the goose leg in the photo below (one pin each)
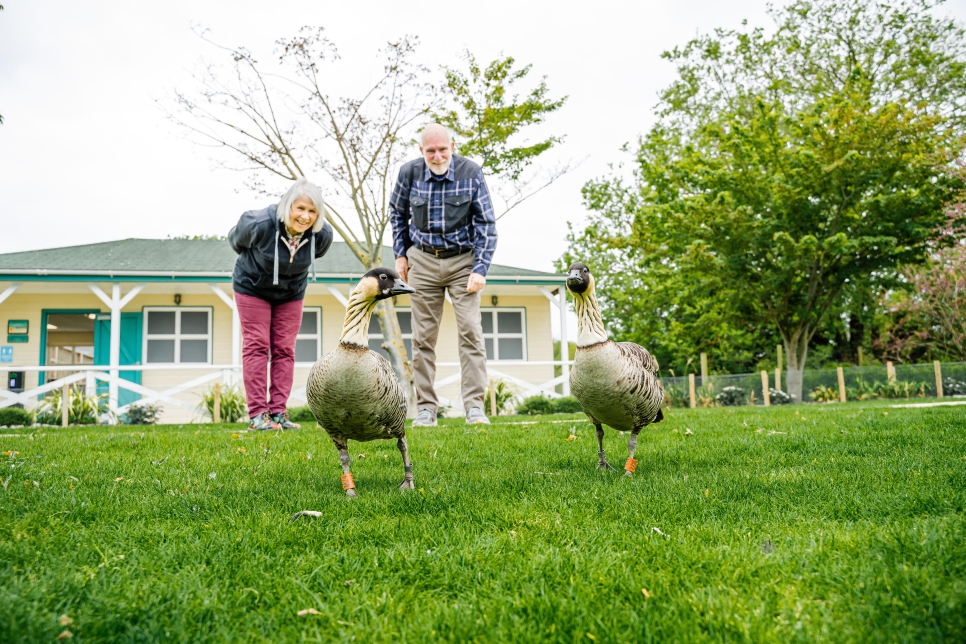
(631, 448)
(347, 483)
(602, 464)
(407, 482)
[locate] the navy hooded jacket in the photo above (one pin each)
(259, 240)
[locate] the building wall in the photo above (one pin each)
(29, 306)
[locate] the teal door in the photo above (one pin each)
(131, 328)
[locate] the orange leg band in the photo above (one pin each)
(347, 482)
(631, 464)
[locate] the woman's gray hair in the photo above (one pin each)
(302, 188)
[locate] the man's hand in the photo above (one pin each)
(402, 267)
(475, 283)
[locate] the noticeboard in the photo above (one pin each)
(17, 331)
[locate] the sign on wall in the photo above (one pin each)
(18, 330)
(6, 353)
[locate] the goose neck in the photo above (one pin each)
(355, 329)
(590, 324)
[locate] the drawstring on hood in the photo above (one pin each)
(275, 275)
(313, 254)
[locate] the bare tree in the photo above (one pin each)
(285, 124)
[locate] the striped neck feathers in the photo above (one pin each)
(355, 329)
(590, 325)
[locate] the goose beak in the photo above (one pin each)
(574, 278)
(402, 288)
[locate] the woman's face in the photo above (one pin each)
(303, 215)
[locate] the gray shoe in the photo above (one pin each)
(475, 416)
(425, 418)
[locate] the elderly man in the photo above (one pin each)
(444, 235)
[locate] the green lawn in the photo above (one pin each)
(813, 523)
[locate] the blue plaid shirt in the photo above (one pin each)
(479, 233)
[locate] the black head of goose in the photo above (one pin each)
(615, 382)
(353, 391)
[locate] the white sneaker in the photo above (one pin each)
(475, 416)
(425, 418)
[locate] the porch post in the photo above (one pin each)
(236, 343)
(235, 330)
(115, 345)
(564, 340)
(115, 303)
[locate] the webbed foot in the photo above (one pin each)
(407, 484)
(604, 466)
(350, 493)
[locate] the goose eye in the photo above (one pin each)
(382, 277)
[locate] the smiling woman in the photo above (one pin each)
(269, 285)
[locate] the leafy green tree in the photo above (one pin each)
(488, 119)
(787, 166)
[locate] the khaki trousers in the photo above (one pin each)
(431, 277)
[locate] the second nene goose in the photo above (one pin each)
(615, 382)
(352, 390)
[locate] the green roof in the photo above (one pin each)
(192, 260)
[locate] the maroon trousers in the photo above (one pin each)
(268, 336)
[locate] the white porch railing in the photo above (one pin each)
(90, 374)
(230, 374)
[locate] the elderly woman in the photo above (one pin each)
(276, 249)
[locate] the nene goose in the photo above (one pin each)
(352, 391)
(615, 382)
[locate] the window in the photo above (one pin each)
(181, 335)
(503, 334)
(405, 318)
(308, 344)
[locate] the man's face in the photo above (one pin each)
(437, 149)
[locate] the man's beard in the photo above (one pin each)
(439, 170)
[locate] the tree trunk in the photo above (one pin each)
(796, 350)
(394, 345)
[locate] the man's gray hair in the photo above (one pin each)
(302, 188)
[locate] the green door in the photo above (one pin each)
(131, 327)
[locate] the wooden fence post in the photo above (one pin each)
(694, 397)
(764, 388)
(65, 406)
(778, 370)
(939, 378)
(216, 411)
(860, 356)
(841, 375)
(704, 369)
(890, 371)
(493, 398)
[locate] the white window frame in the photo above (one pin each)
(177, 336)
(317, 336)
(405, 336)
(496, 335)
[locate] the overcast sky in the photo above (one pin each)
(87, 156)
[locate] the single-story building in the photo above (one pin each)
(153, 320)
